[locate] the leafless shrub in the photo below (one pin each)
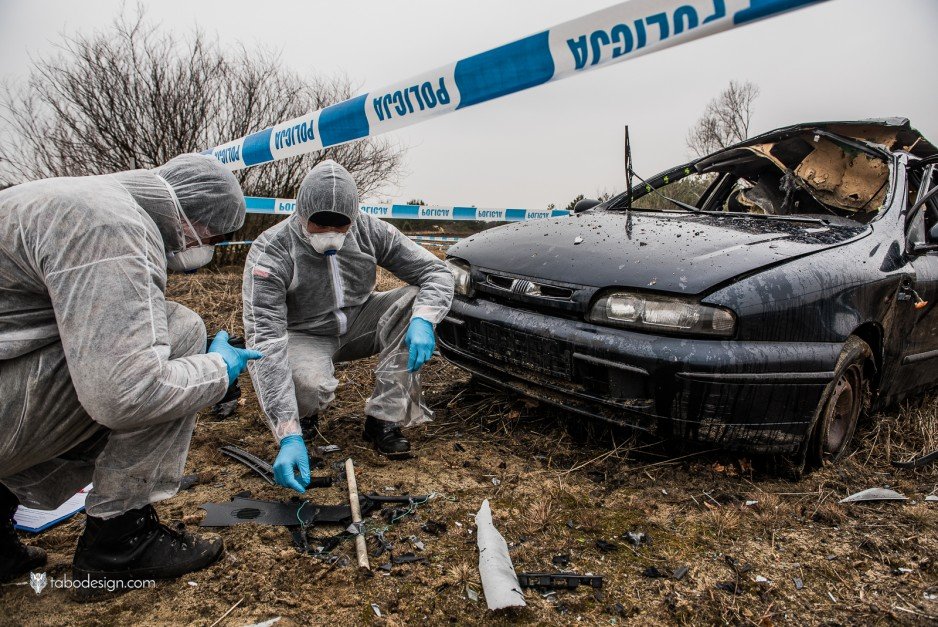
(135, 95)
(725, 120)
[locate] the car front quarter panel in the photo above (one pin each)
(823, 297)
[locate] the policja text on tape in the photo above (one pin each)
(611, 35)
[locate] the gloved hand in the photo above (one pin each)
(236, 359)
(291, 458)
(421, 342)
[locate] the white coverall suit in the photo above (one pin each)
(100, 377)
(304, 310)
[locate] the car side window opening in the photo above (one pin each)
(688, 189)
(809, 173)
(923, 222)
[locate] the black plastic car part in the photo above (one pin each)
(562, 581)
(241, 510)
(265, 470)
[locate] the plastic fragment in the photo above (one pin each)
(407, 558)
(636, 538)
(874, 494)
(376, 609)
(606, 547)
(434, 527)
(729, 586)
(499, 581)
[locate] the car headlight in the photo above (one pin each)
(651, 313)
(461, 275)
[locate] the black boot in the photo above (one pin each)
(135, 545)
(386, 436)
(15, 557)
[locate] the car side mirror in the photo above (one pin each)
(933, 234)
(583, 204)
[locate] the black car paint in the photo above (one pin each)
(799, 290)
(612, 248)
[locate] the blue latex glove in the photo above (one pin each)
(292, 458)
(421, 341)
(236, 359)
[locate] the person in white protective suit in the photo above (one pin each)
(310, 301)
(100, 377)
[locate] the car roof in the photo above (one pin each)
(889, 134)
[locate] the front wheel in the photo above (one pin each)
(845, 399)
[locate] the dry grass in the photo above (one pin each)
(910, 432)
(559, 488)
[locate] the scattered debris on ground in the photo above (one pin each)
(563, 485)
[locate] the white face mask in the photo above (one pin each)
(189, 259)
(326, 242)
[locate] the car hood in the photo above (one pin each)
(659, 251)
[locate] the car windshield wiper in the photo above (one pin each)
(771, 216)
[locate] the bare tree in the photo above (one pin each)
(135, 96)
(725, 120)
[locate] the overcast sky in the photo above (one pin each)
(844, 59)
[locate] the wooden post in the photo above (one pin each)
(360, 547)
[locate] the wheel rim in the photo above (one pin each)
(843, 409)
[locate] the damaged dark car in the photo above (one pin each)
(764, 298)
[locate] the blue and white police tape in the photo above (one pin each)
(256, 204)
(612, 35)
(436, 240)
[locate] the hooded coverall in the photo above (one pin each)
(100, 377)
(305, 310)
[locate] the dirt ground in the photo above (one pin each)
(758, 549)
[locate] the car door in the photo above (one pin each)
(919, 365)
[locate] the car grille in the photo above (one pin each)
(532, 352)
(529, 288)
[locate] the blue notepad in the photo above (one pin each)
(37, 520)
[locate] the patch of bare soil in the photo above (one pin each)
(758, 549)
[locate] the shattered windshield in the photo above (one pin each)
(814, 173)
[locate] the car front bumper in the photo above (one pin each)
(758, 397)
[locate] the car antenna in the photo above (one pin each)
(629, 172)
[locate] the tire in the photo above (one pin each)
(845, 401)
